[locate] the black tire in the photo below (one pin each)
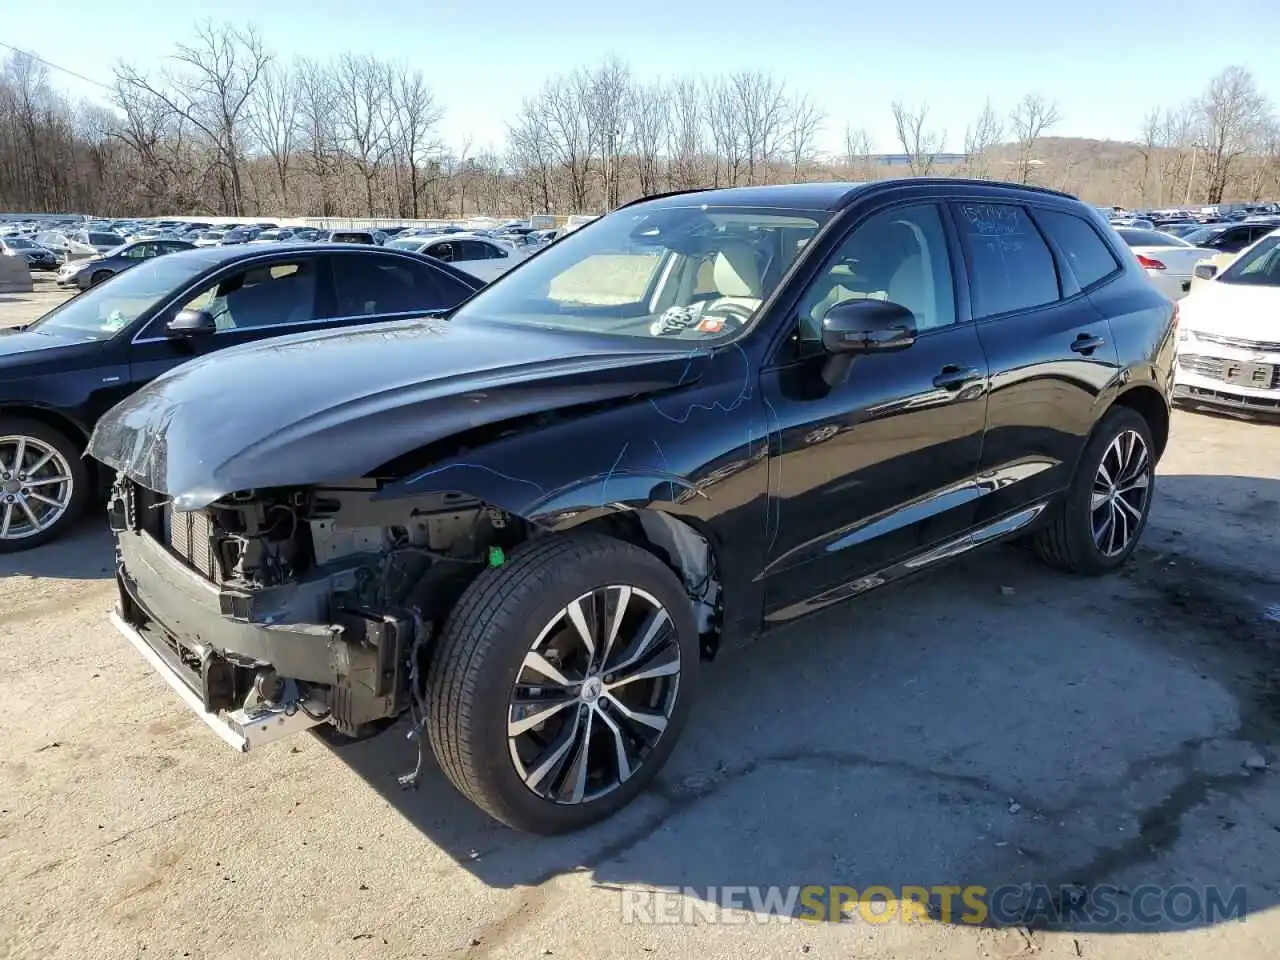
(100, 276)
(481, 651)
(78, 472)
(1067, 542)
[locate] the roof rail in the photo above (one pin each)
(971, 182)
(662, 196)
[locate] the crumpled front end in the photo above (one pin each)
(270, 612)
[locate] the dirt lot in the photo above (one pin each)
(997, 724)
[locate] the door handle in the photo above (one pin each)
(1086, 343)
(953, 377)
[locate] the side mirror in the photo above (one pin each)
(1206, 271)
(867, 326)
(192, 323)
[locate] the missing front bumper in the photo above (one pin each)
(347, 667)
(235, 727)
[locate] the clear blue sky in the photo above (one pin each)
(1106, 62)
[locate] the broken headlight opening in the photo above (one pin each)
(274, 610)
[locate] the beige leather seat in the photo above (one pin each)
(736, 275)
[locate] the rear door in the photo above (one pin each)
(1050, 349)
(367, 287)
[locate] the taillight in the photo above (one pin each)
(1147, 263)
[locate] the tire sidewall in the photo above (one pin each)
(18, 426)
(627, 565)
(1079, 514)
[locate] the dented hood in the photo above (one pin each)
(331, 406)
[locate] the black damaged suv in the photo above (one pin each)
(703, 416)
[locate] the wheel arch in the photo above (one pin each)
(74, 431)
(1149, 404)
(690, 553)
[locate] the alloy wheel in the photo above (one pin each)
(1121, 489)
(36, 487)
(593, 695)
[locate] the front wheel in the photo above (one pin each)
(43, 484)
(562, 681)
(1106, 509)
(101, 276)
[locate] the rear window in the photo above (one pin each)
(1090, 258)
(102, 239)
(351, 238)
(1149, 238)
(1010, 265)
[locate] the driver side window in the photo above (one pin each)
(900, 255)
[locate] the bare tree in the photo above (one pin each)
(570, 129)
(720, 108)
(759, 105)
(318, 136)
(1232, 114)
(362, 85)
(1031, 117)
(980, 138)
(685, 135)
(608, 95)
(1177, 150)
(1149, 148)
(531, 152)
(414, 115)
(920, 143)
(804, 124)
(650, 112)
(211, 88)
(274, 123)
(857, 153)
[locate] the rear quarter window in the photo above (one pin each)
(1088, 254)
(1010, 265)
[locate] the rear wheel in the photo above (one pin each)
(562, 681)
(1106, 509)
(43, 484)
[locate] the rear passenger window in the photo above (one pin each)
(1090, 257)
(1010, 266)
(369, 285)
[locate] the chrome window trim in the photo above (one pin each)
(357, 250)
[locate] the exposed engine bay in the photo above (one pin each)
(289, 608)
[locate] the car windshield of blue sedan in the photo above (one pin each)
(691, 272)
(104, 310)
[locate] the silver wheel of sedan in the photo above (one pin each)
(1121, 489)
(37, 487)
(594, 694)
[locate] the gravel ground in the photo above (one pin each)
(16, 308)
(997, 723)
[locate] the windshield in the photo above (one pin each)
(104, 310)
(17, 243)
(1258, 267)
(1149, 238)
(1198, 237)
(106, 239)
(689, 271)
(407, 243)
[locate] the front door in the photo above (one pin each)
(880, 464)
(249, 303)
